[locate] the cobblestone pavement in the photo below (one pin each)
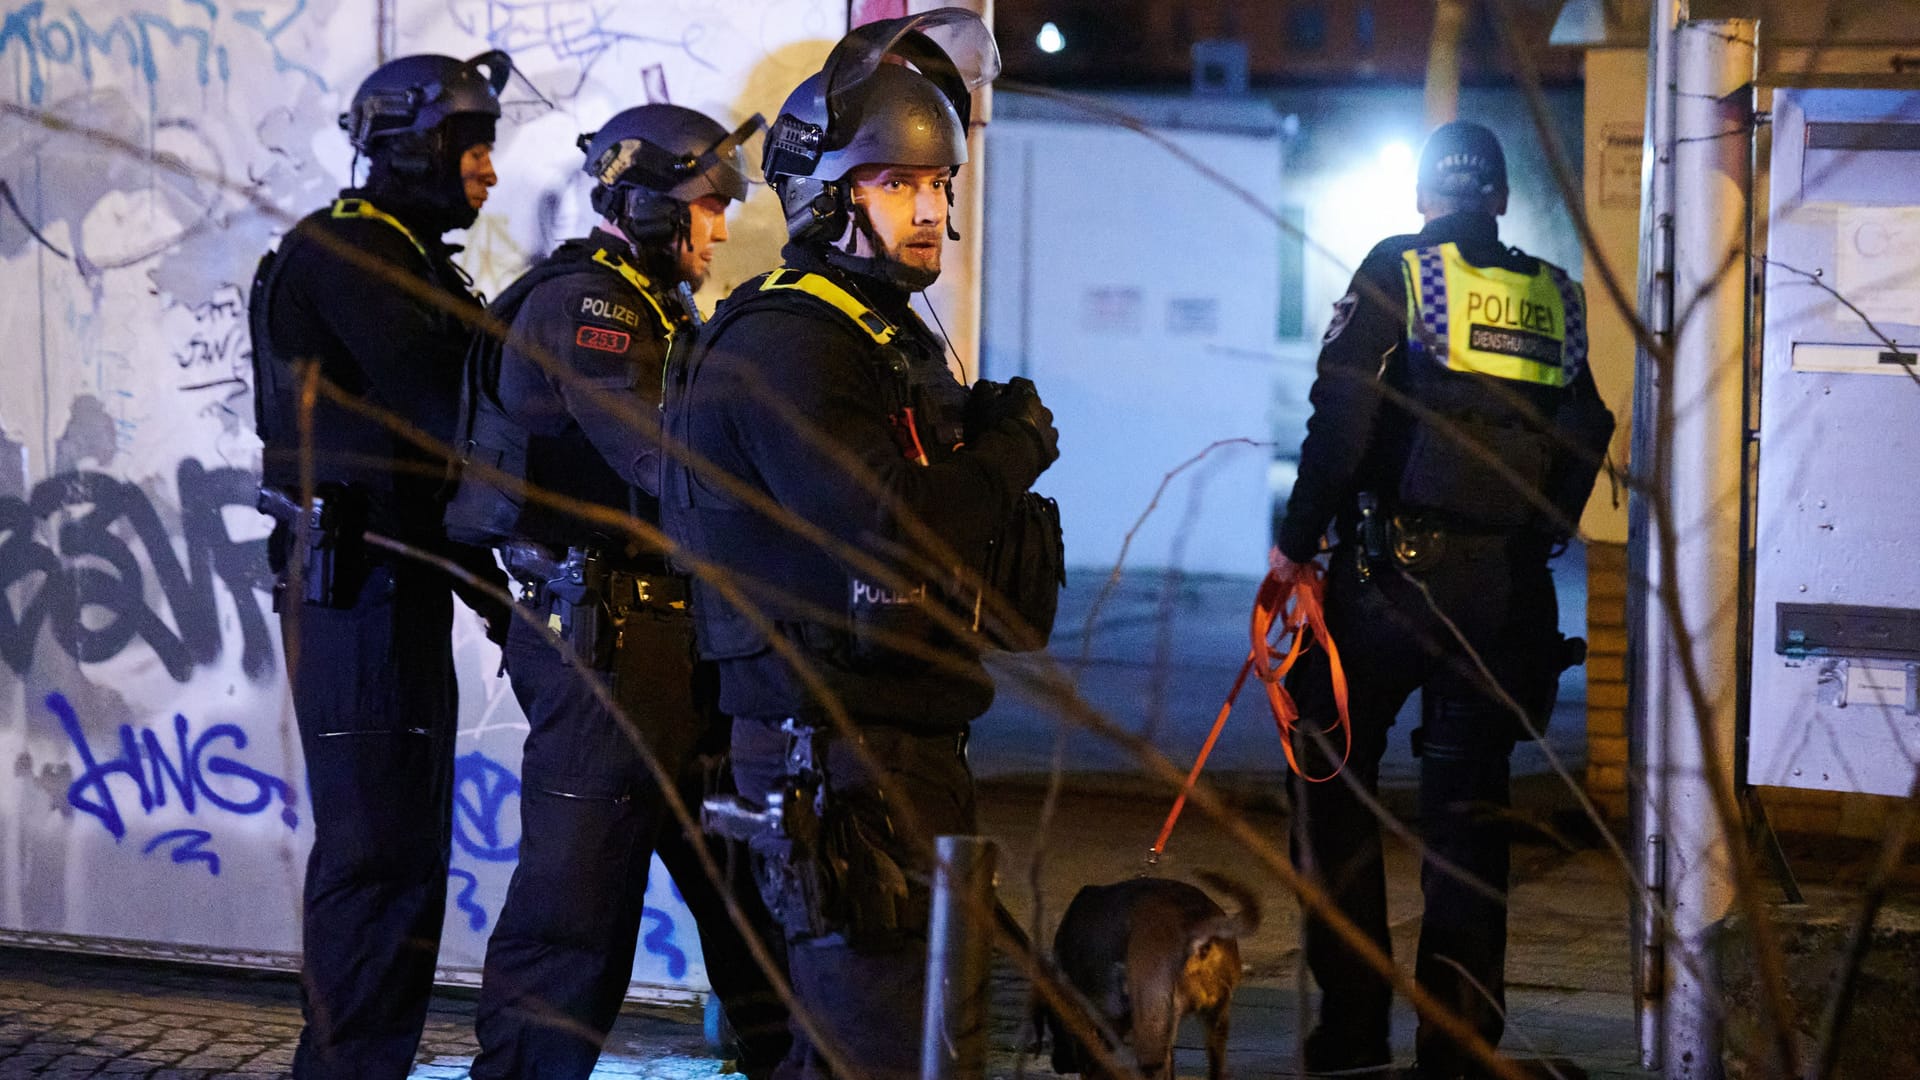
(63, 1015)
(71, 1016)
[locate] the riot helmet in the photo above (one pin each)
(415, 117)
(1463, 159)
(649, 162)
(893, 92)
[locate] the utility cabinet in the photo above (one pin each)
(1836, 613)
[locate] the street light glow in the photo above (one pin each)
(1050, 40)
(1396, 156)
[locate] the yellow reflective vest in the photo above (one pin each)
(1487, 320)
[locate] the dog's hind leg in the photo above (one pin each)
(1217, 1024)
(1156, 1012)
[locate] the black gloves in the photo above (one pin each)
(1014, 405)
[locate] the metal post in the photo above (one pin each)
(1699, 432)
(1650, 462)
(953, 1045)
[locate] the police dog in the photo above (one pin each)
(1145, 953)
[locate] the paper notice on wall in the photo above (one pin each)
(1620, 166)
(1111, 309)
(1878, 271)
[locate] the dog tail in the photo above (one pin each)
(1239, 924)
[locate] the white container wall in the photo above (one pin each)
(155, 800)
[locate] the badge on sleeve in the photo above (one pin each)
(1342, 315)
(602, 340)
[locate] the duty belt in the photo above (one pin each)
(642, 584)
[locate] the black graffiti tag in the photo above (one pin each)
(89, 586)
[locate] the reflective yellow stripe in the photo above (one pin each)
(640, 283)
(361, 208)
(821, 288)
(1489, 320)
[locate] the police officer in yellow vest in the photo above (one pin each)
(1456, 434)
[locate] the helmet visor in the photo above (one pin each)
(950, 46)
(720, 169)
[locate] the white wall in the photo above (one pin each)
(156, 793)
(1140, 297)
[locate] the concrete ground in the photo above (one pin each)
(1160, 657)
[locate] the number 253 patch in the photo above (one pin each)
(594, 337)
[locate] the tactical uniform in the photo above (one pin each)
(366, 290)
(841, 481)
(1489, 346)
(592, 817)
(793, 358)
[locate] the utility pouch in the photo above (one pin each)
(653, 675)
(331, 553)
(1026, 569)
(863, 858)
(1451, 469)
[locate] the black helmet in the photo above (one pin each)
(414, 118)
(413, 95)
(894, 92)
(1463, 158)
(649, 162)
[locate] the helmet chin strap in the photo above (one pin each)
(876, 265)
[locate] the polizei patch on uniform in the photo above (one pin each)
(1511, 312)
(595, 337)
(1509, 342)
(604, 309)
(1342, 315)
(864, 594)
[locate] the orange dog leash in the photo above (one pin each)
(1300, 613)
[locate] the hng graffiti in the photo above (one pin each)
(191, 770)
(94, 568)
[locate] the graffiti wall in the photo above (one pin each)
(150, 150)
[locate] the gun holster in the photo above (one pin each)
(327, 543)
(578, 611)
(787, 837)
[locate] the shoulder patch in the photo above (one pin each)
(601, 339)
(595, 307)
(1342, 315)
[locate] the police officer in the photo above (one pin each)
(569, 404)
(365, 289)
(1456, 434)
(818, 389)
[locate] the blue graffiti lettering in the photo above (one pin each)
(192, 847)
(481, 787)
(659, 942)
(153, 40)
(145, 761)
(476, 915)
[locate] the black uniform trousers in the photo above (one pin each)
(1392, 641)
(374, 696)
(592, 817)
(866, 991)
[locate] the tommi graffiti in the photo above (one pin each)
(192, 769)
(145, 41)
(91, 566)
